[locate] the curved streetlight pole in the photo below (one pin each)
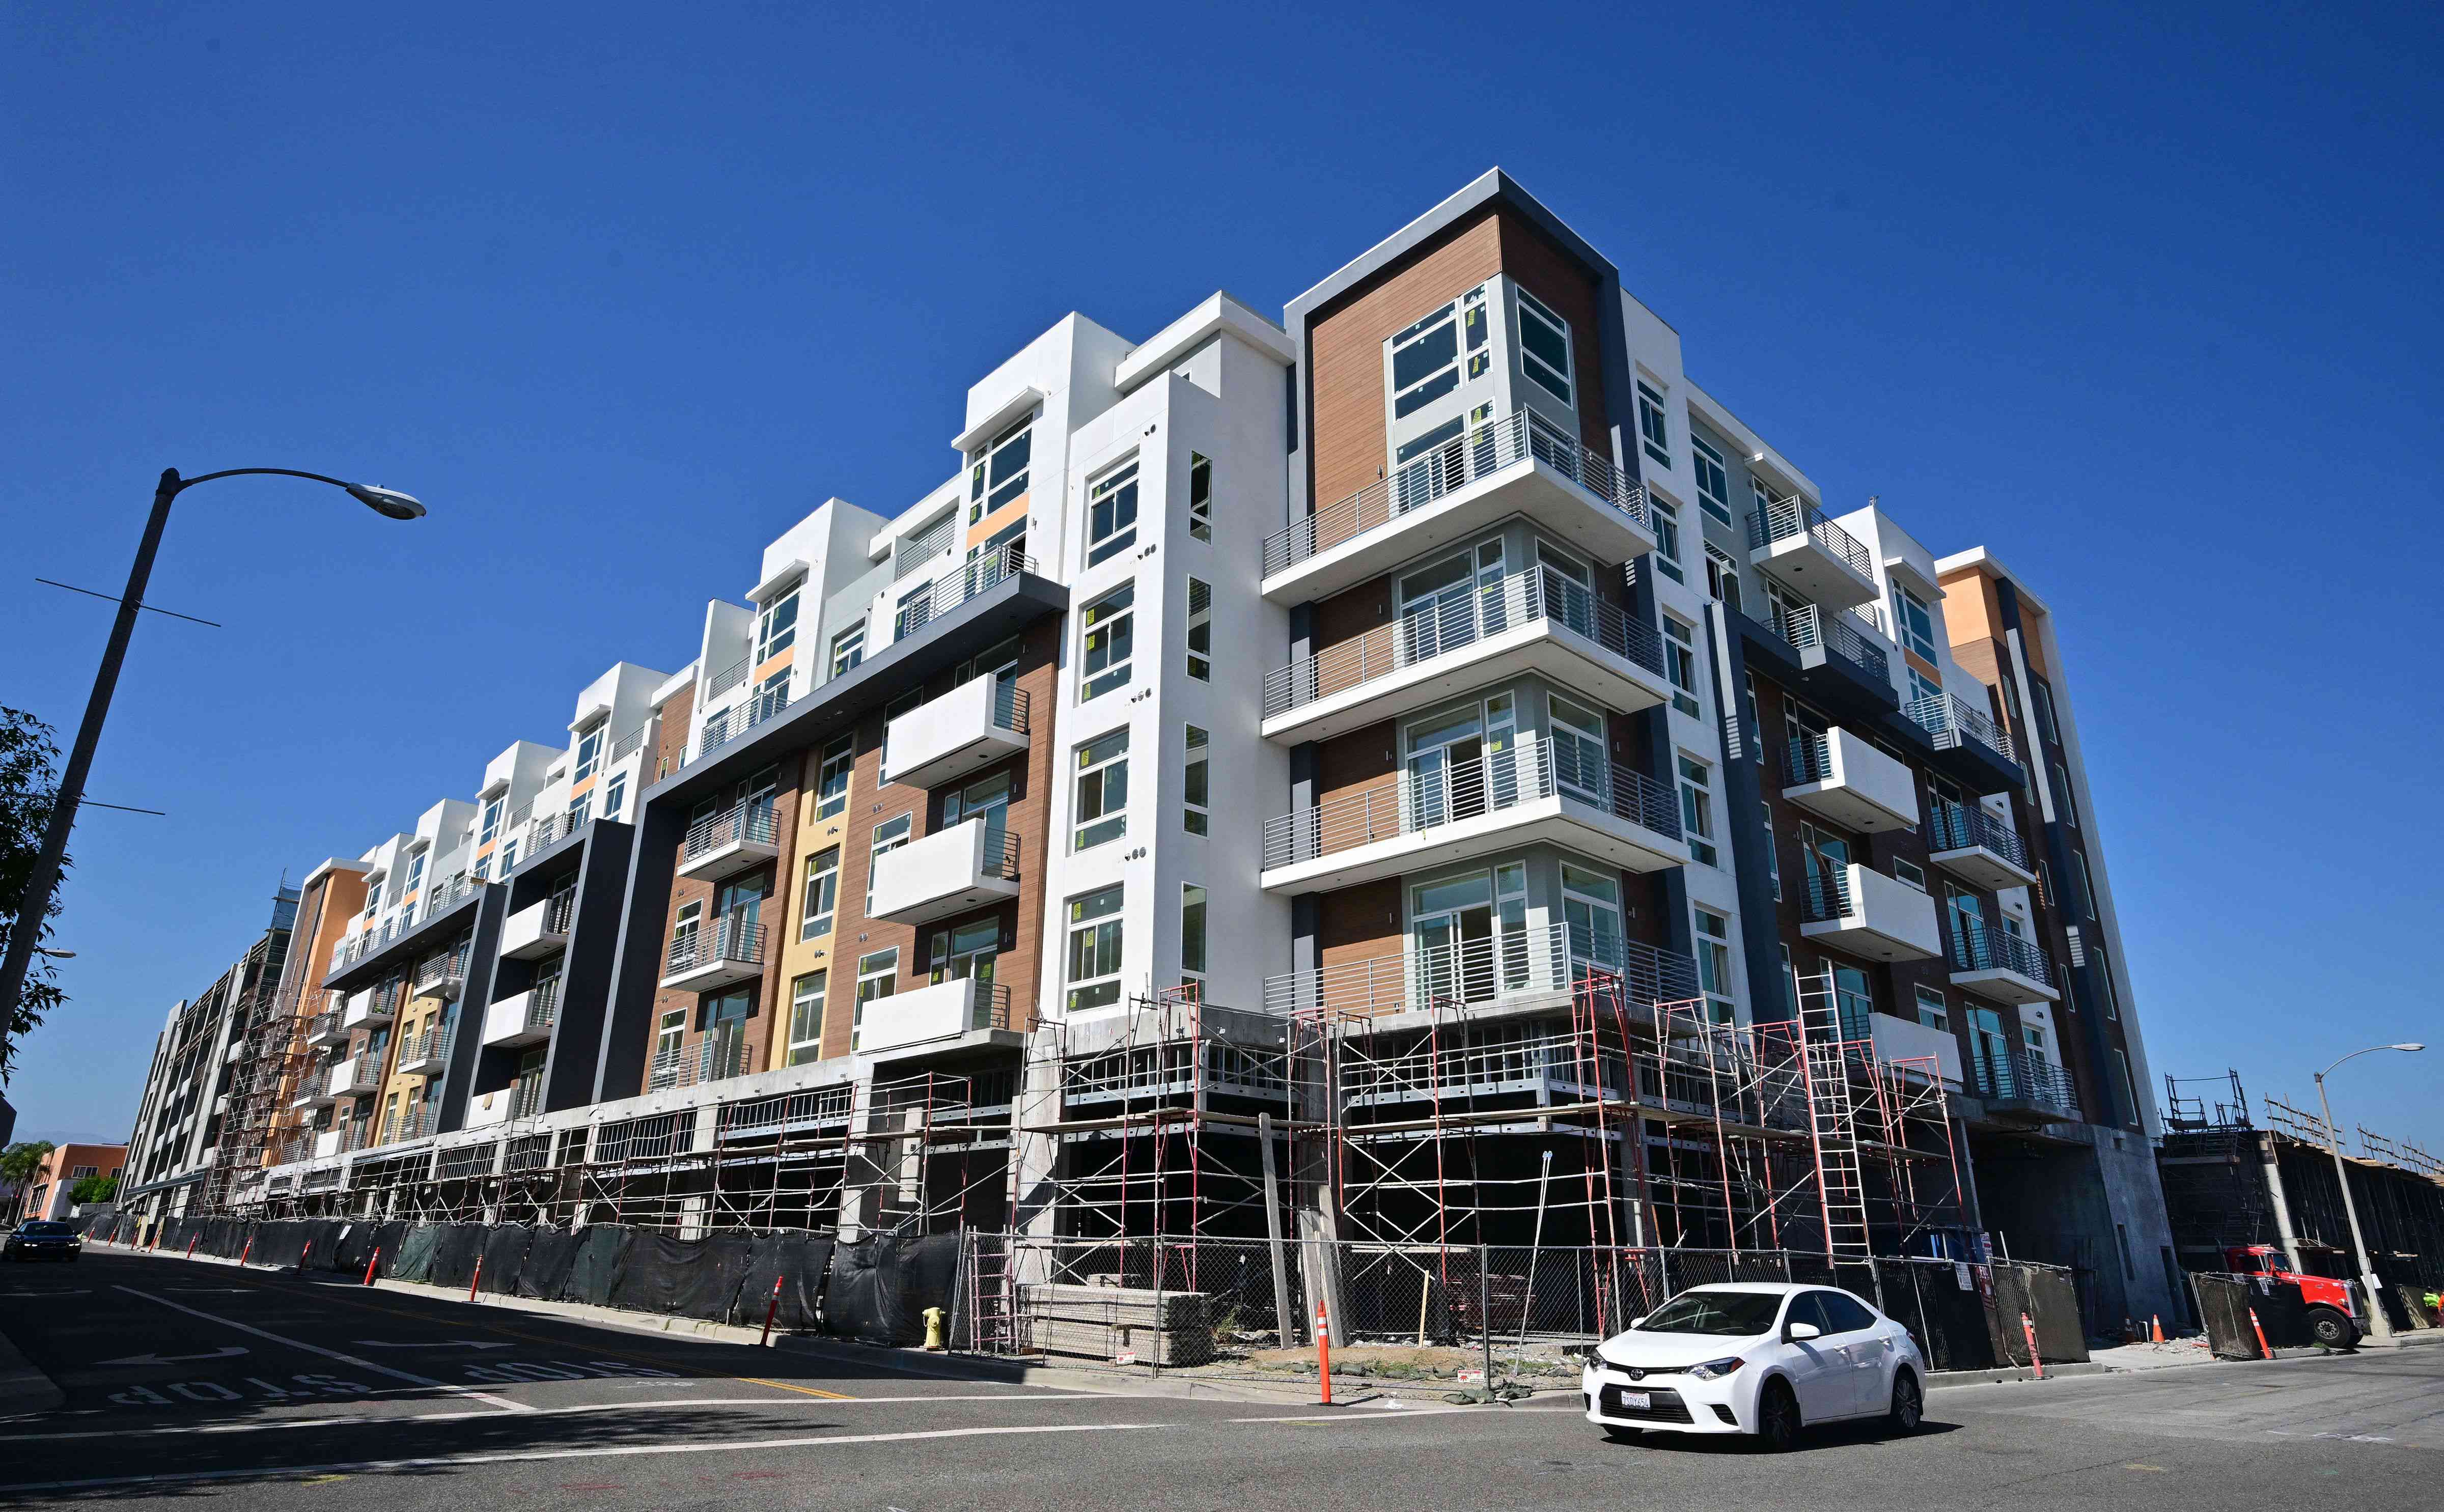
(35, 904)
(2378, 1324)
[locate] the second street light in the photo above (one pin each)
(35, 904)
(2378, 1324)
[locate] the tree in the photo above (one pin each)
(28, 786)
(93, 1189)
(19, 1162)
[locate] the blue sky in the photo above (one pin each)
(2146, 305)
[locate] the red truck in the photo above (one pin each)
(2333, 1306)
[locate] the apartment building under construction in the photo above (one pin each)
(1418, 771)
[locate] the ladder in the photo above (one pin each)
(992, 1311)
(1833, 1120)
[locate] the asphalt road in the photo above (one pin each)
(190, 1382)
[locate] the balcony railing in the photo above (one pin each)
(543, 1004)
(2004, 1073)
(312, 1083)
(1457, 620)
(1826, 896)
(1809, 759)
(550, 830)
(526, 1096)
(1414, 801)
(1951, 721)
(757, 822)
(1966, 826)
(559, 910)
(728, 678)
(1513, 963)
(427, 1044)
(443, 894)
(956, 587)
(627, 744)
(1010, 706)
(718, 1057)
(733, 938)
(1977, 947)
(450, 965)
(400, 1127)
(1811, 626)
(1785, 518)
(323, 1023)
(1448, 469)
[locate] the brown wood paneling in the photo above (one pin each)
(1359, 923)
(1559, 280)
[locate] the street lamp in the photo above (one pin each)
(388, 503)
(2378, 1324)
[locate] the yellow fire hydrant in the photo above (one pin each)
(934, 1328)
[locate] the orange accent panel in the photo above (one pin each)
(992, 525)
(779, 660)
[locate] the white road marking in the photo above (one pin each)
(437, 1343)
(609, 1451)
(174, 1360)
(363, 1419)
(501, 1402)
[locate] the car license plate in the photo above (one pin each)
(1636, 1402)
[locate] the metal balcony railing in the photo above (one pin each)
(1810, 626)
(2005, 1073)
(1976, 947)
(1414, 801)
(1481, 453)
(1951, 721)
(1001, 854)
(559, 911)
(1010, 707)
(1808, 759)
(627, 744)
(400, 1127)
(1826, 897)
(754, 822)
(437, 972)
(728, 678)
(321, 1024)
(666, 1069)
(526, 1096)
(1785, 518)
(445, 894)
(957, 587)
(734, 938)
(1966, 826)
(312, 1084)
(543, 1004)
(1457, 620)
(549, 830)
(1510, 963)
(718, 1057)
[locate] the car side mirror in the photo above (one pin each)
(1636, 1321)
(1794, 1333)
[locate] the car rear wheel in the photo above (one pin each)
(2331, 1329)
(1909, 1404)
(1777, 1418)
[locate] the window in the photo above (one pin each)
(1680, 664)
(1111, 641)
(615, 795)
(1845, 1313)
(888, 836)
(1773, 850)
(1698, 811)
(1713, 484)
(2046, 725)
(2085, 902)
(822, 895)
(1544, 347)
(1194, 788)
(509, 855)
(849, 648)
(2034, 1036)
(776, 627)
(2061, 795)
(806, 1018)
(1425, 357)
(1919, 688)
(1715, 963)
(1909, 873)
(2129, 1087)
(1192, 934)
(1095, 950)
(683, 929)
(876, 977)
(1667, 536)
(415, 874)
(577, 811)
(492, 825)
(1652, 428)
(2103, 970)
(997, 472)
(1200, 496)
(1932, 1011)
(1112, 512)
(1103, 793)
(831, 781)
(1200, 630)
(1917, 625)
(1722, 575)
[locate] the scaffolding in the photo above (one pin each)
(267, 1053)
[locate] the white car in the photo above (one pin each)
(1764, 1359)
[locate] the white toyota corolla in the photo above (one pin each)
(1765, 1359)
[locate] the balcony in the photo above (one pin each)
(424, 1055)
(958, 870)
(1792, 543)
(1977, 847)
(1536, 621)
(1532, 791)
(324, 1028)
(1862, 912)
(708, 957)
(956, 586)
(718, 1057)
(539, 930)
(331, 1142)
(1829, 654)
(737, 839)
(351, 1078)
(974, 725)
(524, 1017)
(923, 1015)
(1849, 782)
(309, 1091)
(1968, 747)
(442, 897)
(400, 1127)
(526, 1096)
(369, 1006)
(2020, 1086)
(1999, 965)
(444, 976)
(1528, 967)
(1906, 1039)
(1509, 467)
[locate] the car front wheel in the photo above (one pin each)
(1777, 1417)
(1909, 1404)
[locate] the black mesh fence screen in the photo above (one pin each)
(414, 1258)
(455, 1254)
(505, 1257)
(549, 1253)
(594, 1273)
(794, 1260)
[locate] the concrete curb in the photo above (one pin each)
(1940, 1380)
(25, 1390)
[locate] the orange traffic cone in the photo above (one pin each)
(2156, 1327)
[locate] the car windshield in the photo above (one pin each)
(45, 1230)
(1729, 1315)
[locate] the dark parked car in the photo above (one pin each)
(44, 1239)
